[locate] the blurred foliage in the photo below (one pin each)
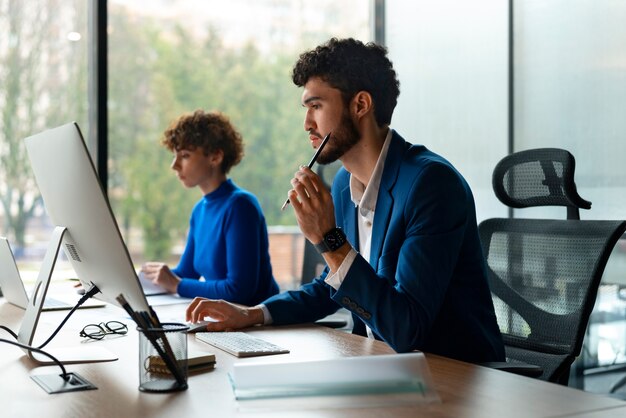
(156, 76)
(43, 85)
(158, 69)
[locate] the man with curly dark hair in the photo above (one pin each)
(227, 243)
(398, 231)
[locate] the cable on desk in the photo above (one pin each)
(64, 374)
(7, 329)
(94, 289)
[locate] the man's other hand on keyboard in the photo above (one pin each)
(228, 316)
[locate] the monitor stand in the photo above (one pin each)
(26, 334)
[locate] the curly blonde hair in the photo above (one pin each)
(211, 131)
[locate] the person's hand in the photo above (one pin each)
(313, 205)
(227, 316)
(160, 274)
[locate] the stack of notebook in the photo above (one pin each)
(195, 363)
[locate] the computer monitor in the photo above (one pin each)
(85, 225)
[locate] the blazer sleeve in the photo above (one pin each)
(307, 304)
(401, 300)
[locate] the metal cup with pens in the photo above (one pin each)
(163, 358)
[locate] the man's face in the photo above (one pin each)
(326, 112)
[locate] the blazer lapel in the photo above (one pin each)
(384, 203)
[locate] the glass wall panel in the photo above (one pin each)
(451, 59)
(570, 92)
(43, 74)
(171, 57)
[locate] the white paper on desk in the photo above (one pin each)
(371, 375)
(167, 299)
(149, 288)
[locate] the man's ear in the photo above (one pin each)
(362, 104)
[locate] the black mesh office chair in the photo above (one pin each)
(544, 273)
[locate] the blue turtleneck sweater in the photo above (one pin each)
(227, 246)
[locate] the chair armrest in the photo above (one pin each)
(332, 323)
(520, 368)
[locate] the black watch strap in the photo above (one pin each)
(332, 241)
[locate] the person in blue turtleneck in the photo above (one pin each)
(227, 244)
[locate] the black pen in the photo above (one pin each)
(144, 321)
(317, 153)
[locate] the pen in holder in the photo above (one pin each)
(163, 358)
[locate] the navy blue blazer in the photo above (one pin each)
(425, 284)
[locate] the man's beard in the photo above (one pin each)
(343, 138)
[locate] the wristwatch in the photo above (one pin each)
(333, 239)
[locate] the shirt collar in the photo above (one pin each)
(365, 197)
(222, 190)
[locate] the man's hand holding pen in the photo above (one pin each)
(315, 212)
(311, 200)
(313, 204)
(314, 208)
(312, 162)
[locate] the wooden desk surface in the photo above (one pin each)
(465, 390)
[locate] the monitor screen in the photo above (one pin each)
(74, 199)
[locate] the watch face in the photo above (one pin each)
(333, 239)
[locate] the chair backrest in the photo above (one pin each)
(313, 263)
(544, 273)
(544, 277)
(539, 177)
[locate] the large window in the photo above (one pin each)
(171, 57)
(164, 58)
(43, 74)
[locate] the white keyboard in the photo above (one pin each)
(240, 344)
